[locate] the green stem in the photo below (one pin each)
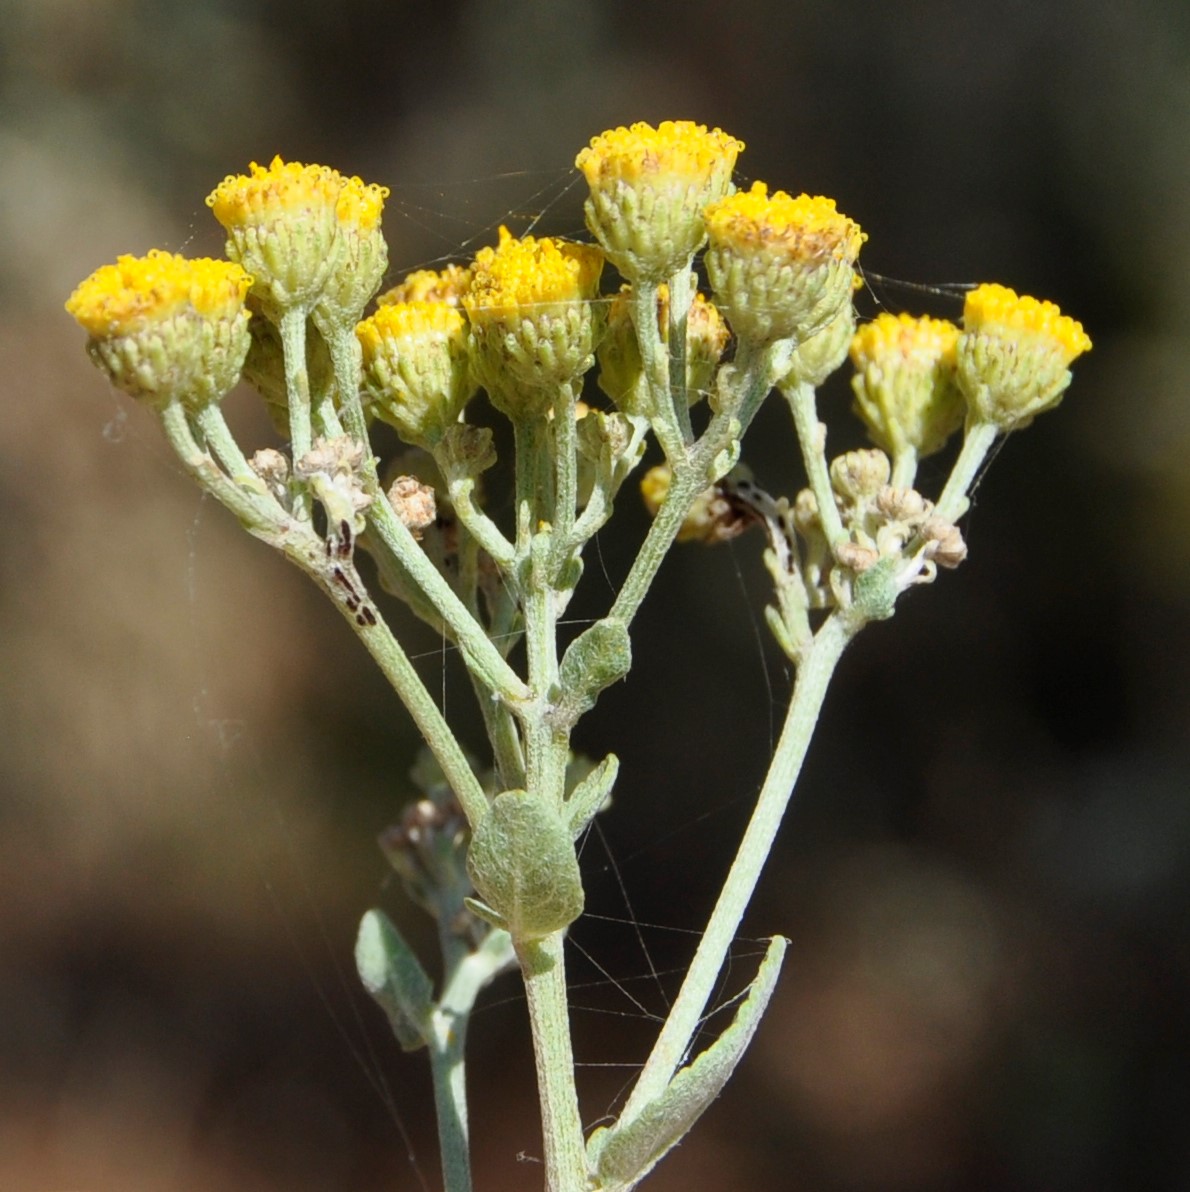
(977, 442)
(685, 485)
(257, 512)
(679, 311)
(811, 436)
(608, 481)
(655, 365)
(751, 375)
(340, 581)
(448, 1038)
(545, 748)
(479, 526)
(544, 970)
(534, 481)
(904, 469)
(480, 655)
(297, 388)
(218, 435)
(448, 1068)
(566, 477)
(814, 674)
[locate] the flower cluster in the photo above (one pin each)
(526, 321)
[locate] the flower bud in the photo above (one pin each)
(621, 374)
(428, 285)
(820, 355)
(417, 374)
(859, 475)
(534, 323)
(306, 233)
(648, 190)
(621, 370)
(1014, 355)
(781, 267)
(164, 327)
(905, 392)
(363, 257)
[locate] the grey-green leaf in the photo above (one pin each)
(393, 975)
(591, 795)
(623, 1155)
(523, 864)
(597, 658)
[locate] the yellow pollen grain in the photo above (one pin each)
(679, 148)
(124, 298)
(991, 307)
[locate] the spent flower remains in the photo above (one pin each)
(591, 376)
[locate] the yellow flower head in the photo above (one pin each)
(363, 257)
(163, 327)
(417, 375)
(293, 226)
(429, 285)
(648, 190)
(533, 317)
(1014, 356)
(905, 392)
(781, 267)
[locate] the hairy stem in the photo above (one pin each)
(297, 388)
(811, 436)
(977, 442)
(543, 967)
(814, 674)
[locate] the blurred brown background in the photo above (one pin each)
(985, 876)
